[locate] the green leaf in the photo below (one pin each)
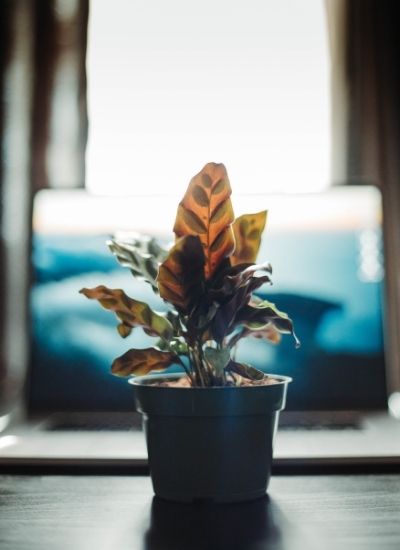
(218, 359)
(178, 346)
(247, 371)
(142, 361)
(248, 230)
(181, 276)
(131, 312)
(260, 316)
(141, 254)
(206, 211)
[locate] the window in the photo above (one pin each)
(174, 84)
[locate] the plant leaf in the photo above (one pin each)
(234, 293)
(247, 371)
(142, 361)
(268, 332)
(141, 254)
(232, 278)
(131, 312)
(248, 230)
(223, 322)
(218, 359)
(181, 276)
(206, 211)
(258, 317)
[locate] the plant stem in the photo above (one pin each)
(187, 371)
(204, 375)
(236, 337)
(203, 366)
(196, 367)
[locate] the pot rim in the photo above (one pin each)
(144, 379)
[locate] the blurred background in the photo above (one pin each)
(130, 99)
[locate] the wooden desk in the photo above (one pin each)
(357, 512)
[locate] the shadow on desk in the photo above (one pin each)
(251, 525)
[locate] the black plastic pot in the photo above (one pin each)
(209, 443)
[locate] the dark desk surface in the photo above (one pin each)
(302, 512)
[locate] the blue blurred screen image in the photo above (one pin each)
(328, 273)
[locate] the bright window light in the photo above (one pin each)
(175, 84)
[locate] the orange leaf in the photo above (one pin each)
(131, 312)
(181, 276)
(248, 230)
(142, 361)
(206, 211)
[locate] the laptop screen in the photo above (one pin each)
(327, 257)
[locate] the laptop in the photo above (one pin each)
(327, 253)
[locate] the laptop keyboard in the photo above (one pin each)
(320, 426)
(94, 422)
(321, 420)
(132, 422)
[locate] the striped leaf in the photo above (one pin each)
(181, 276)
(141, 254)
(248, 230)
(206, 211)
(142, 361)
(247, 371)
(264, 314)
(131, 313)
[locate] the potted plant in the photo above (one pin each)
(210, 428)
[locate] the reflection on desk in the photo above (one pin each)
(360, 512)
